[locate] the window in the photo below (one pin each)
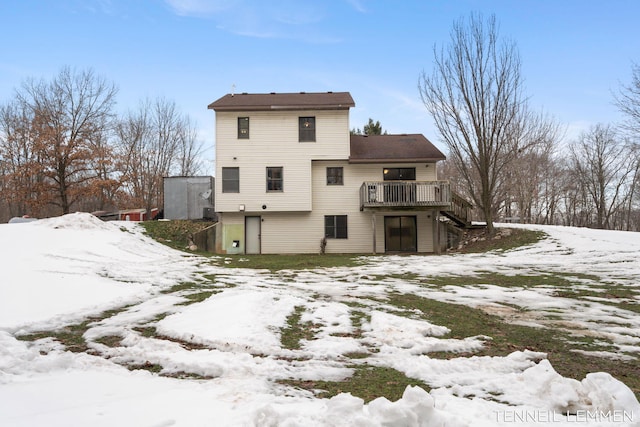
(400, 192)
(334, 176)
(335, 226)
(399, 174)
(230, 180)
(243, 127)
(274, 179)
(307, 129)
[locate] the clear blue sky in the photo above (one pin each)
(574, 52)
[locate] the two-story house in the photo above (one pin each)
(291, 179)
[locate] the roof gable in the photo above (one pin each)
(283, 101)
(393, 148)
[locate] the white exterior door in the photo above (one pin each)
(252, 234)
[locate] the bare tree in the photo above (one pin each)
(134, 133)
(602, 167)
(628, 101)
(69, 114)
(155, 141)
(475, 97)
(105, 189)
(189, 150)
(631, 212)
(525, 175)
(552, 188)
(20, 163)
(58, 151)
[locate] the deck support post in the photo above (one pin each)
(373, 226)
(436, 230)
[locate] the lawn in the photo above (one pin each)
(543, 319)
(570, 348)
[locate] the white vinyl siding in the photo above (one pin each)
(274, 141)
(345, 200)
(293, 220)
(302, 232)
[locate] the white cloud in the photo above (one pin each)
(200, 7)
(283, 19)
(358, 5)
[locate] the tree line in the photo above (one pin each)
(63, 148)
(511, 160)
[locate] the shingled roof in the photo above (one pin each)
(393, 148)
(283, 101)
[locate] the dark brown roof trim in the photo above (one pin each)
(412, 148)
(283, 101)
(390, 161)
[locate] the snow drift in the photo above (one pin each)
(219, 361)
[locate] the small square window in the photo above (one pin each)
(274, 179)
(307, 129)
(335, 176)
(230, 180)
(243, 127)
(335, 226)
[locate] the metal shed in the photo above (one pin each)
(189, 197)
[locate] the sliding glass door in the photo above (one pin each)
(400, 234)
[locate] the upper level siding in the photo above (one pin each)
(273, 142)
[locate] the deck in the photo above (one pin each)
(416, 195)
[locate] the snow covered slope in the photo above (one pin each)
(57, 272)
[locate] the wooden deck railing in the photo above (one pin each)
(461, 209)
(379, 194)
(413, 194)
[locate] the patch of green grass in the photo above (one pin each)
(152, 332)
(358, 318)
(187, 375)
(409, 277)
(110, 340)
(185, 286)
(623, 297)
(72, 336)
(358, 355)
(507, 337)
(578, 276)
(367, 382)
(147, 366)
(295, 331)
(147, 331)
(275, 263)
(157, 369)
(629, 306)
(519, 238)
(516, 239)
(194, 286)
(174, 233)
(503, 280)
(213, 278)
(198, 297)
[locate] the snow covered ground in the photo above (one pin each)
(58, 272)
